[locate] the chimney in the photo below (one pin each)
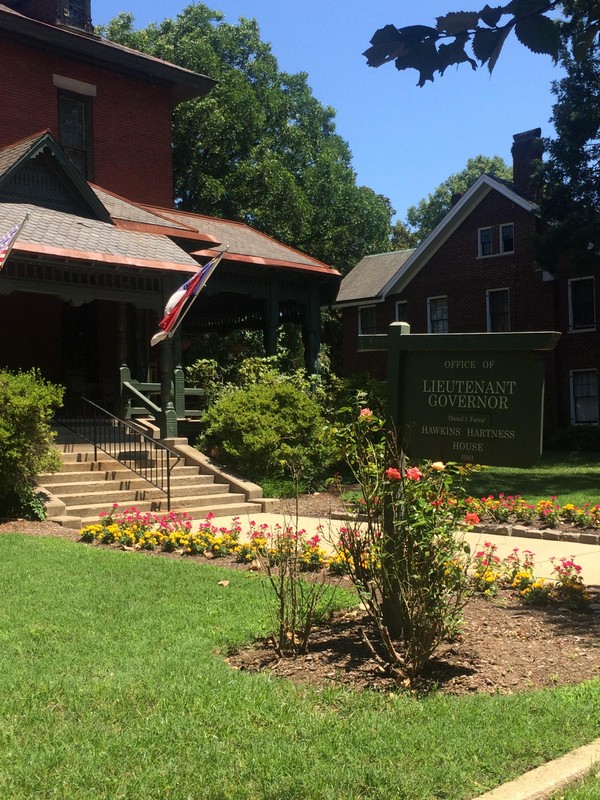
(526, 152)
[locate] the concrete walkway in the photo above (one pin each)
(586, 555)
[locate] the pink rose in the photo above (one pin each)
(393, 474)
(414, 474)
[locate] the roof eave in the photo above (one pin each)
(182, 84)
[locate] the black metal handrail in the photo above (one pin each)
(151, 460)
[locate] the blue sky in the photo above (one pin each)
(404, 140)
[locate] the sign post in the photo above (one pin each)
(466, 397)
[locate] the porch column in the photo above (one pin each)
(271, 320)
(122, 334)
(168, 417)
(141, 344)
(311, 331)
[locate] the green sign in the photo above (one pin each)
(470, 398)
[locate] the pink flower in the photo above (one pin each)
(392, 474)
(414, 474)
(471, 518)
(365, 412)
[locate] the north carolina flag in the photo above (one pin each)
(7, 241)
(179, 300)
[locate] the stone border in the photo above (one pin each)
(543, 782)
(584, 536)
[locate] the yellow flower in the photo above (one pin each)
(438, 466)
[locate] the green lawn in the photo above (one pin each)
(113, 684)
(588, 789)
(571, 477)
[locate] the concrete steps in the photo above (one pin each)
(84, 488)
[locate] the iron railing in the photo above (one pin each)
(150, 459)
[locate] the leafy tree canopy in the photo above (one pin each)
(538, 24)
(260, 148)
(571, 174)
(425, 216)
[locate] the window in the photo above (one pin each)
(507, 238)
(402, 311)
(484, 237)
(437, 315)
(498, 310)
(367, 320)
(74, 130)
(584, 397)
(76, 14)
(582, 307)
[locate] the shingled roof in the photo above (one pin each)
(95, 225)
(368, 278)
(245, 243)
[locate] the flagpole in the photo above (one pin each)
(216, 262)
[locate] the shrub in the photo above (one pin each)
(27, 404)
(263, 429)
(408, 564)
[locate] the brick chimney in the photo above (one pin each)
(65, 13)
(526, 152)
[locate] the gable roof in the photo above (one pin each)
(401, 277)
(42, 155)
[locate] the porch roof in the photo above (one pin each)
(69, 236)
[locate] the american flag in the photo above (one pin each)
(7, 241)
(174, 310)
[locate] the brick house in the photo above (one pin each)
(476, 272)
(85, 151)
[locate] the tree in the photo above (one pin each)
(430, 211)
(571, 174)
(402, 237)
(260, 148)
(536, 23)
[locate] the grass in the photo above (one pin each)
(571, 477)
(113, 684)
(587, 789)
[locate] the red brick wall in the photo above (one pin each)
(131, 120)
(30, 334)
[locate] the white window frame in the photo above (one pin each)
(401, 317)
(488, 293)
(572, 327)
(574, 420)
(501, 237)
(360, 321)
(480, 252)
(429, 318)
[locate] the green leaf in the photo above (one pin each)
(486, 42)
(500, 44)
(540, 34)
(386, 46)
(522, 8)
(454, 54)
(491, 16)
(457, 22)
